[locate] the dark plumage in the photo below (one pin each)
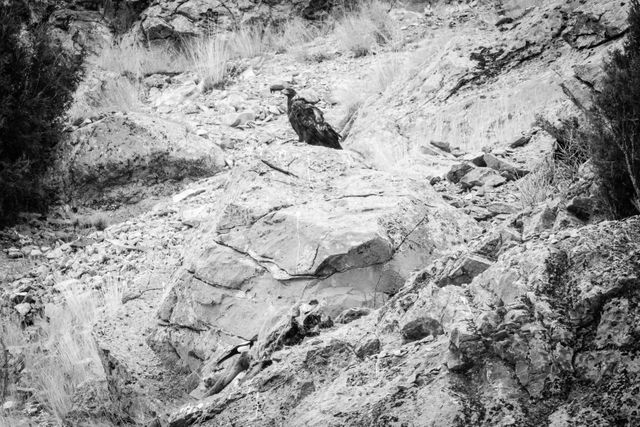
(308, 121)
(238, 349)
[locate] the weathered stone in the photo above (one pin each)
(351, 314)
(478, 213)
(465, 269)
(521, 142)
(501, 208)
(565, 220)
(121, 157)
(444, 146)
(581, 207)
(511, 171)
(348, 246)
(368, 348)
(23, 309)
(457, 171)
(421, 327)
(540, 220)
(429, 151)
(481, 177)
(176, 95)
(456, 362)
(616, 324)
(242, 119)
(476, 159)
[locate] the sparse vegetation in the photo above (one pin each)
(354, 95)
(61, 354)
(248, 42)
(547, 180)
(137, 61)
(209, 57)
(554, 176)
(291, 35)
(366, 29)
(570, 149)
(37, 81)
(118, 94)
(98, 220)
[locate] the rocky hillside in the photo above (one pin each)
(416, 277)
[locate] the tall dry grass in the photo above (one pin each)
(209, 58)
(547, 180)
(115, 95)
(249, 42)
(60, 351)
(294, 33)
(365, 30)
(64, 355)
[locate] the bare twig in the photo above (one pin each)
(279, 169)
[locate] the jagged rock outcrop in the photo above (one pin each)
(175, 19)
(300, 223)
(545, 336)
(122, 158)
(469, 85)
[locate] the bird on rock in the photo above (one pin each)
(307, 120)
(243, 347)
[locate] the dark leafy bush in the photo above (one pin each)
(37, 81)
(616, 147)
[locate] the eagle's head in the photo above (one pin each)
(286, 91)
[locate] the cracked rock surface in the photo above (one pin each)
(333, 230)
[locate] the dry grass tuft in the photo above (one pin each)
(60, 352)
(119, 94)
(366, 29)
(548, 180)
(112, 291)
(209, 58)
(248, 42)
(98, 220)
(64, 355)
(291, 35)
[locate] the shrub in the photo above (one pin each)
(37, 81)
(616, 147)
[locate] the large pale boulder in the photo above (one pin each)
(125, 157)
(544, 335)
(302, 222)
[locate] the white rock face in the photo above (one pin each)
(304, 223)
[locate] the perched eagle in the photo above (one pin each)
(308, 121)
